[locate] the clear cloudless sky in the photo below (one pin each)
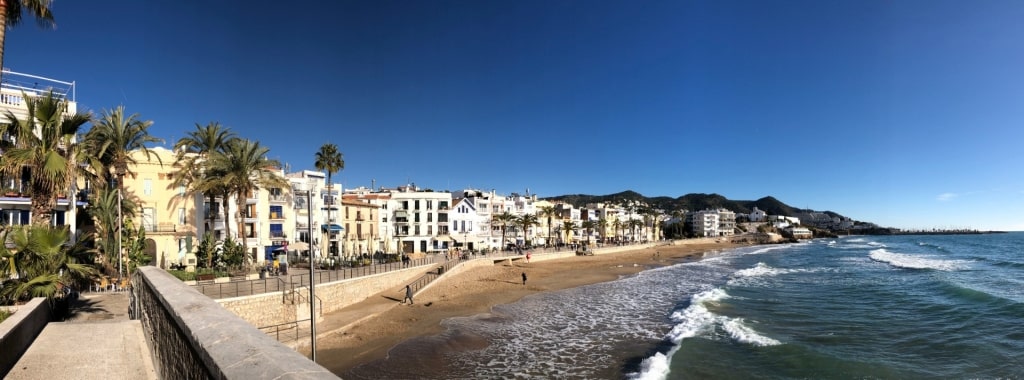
(903, 113)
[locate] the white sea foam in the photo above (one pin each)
(771, 248)
(742, 333)
(654, 367)
(909, 261)
(855, 240)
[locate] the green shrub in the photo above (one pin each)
(4, 314)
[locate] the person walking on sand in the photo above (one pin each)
(528, 256)
(408, 294)
(524, 278)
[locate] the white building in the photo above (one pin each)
(758, 215)
(14, 200)
(704, 223)
(420, 219)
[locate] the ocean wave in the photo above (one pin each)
(771, 248)
(908, 261)
(652, 368)
(762, 269)
(742, 333)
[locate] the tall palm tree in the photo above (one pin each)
(588, 226)
(504, 219)
(192, 154)
(570, 228)
(44, 146)
(43, 262)
(243, 167)
(526, 221)
(329, 159)
(602, 225)
(617, 225)
(11, 12)
(635, 226)
(548, 212)
(115, 136)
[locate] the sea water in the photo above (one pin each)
(900, 307)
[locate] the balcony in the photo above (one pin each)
(278, 235)
(168, 228)
(277, 215)
(278, 198)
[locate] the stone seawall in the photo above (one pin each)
(192, 337)
(285, 307)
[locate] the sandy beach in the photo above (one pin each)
(478, 290)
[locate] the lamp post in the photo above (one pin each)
(120, 170)
(312, 284)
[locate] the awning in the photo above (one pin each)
(444, 238)
(334, 228)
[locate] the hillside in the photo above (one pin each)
(689, 202)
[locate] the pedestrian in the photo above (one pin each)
(408, 293)
(528, 256)
(524, 278)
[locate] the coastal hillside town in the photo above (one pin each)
(143, 205)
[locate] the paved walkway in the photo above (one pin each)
(98, 341)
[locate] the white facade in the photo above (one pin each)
(758, 215)
(308, 210)
(420, 219)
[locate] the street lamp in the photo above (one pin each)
(120, 169)
(312, 285)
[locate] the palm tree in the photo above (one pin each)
(602, 225)
(588, 225)
(243, 167)
(113, 139)
(570, 228)
(192, 159)
(329, 159)
(11, 12)
(45, 147)
(635, 226)
(504, 219)
(548, 212)
(617, 225)
(103, 210)
(526, 221)
(43, 262)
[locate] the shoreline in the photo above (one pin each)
(477, 291)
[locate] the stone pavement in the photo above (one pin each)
(98, 341)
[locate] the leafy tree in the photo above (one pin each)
(232, 254)
(206, 251)
(45, 147)
(11, 13)
(43, 263)
(103, 210)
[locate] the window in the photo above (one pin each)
(359, 230)
(276, 212)
(416, 229)
(430, 230)
(181, 190)
(149, 218)
(416, 217)
(181, 215)
(147, 186)
(470, 226)
(416, 204)
(430, 217)
(430, 205)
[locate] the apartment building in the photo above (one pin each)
(166, 212)
(14, 199)
(310, 214)
(360, 222)
(420, 219)
(703, 223)
(383, 230)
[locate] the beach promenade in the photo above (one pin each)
(97, 341)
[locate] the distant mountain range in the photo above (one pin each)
(690, 202)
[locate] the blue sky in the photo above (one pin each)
(903, 113)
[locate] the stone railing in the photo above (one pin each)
(192, 337)
(18, 331)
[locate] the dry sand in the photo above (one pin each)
(478, 290)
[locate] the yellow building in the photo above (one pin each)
(165, 211)
(361, 221)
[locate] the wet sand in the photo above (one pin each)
(476, 291)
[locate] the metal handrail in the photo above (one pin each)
(278, 327)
